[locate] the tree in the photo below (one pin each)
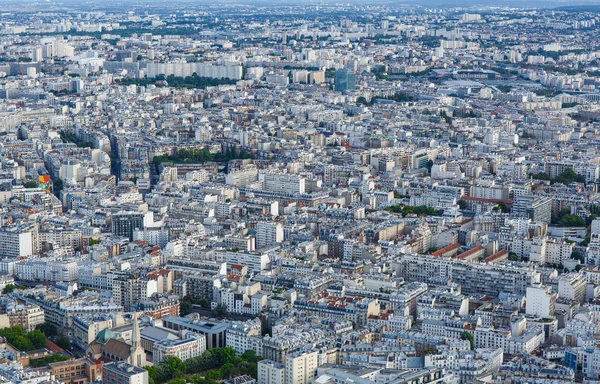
(8, 288)
(226, 370)
(223, 355)
(37, 338)
(429, 165)
(466, 335)
(49, 330)
(220, 311)
(186, 308)
(22, 343)
(151, 371)
(419, 210)
(203, 302)
(578, 256)
(503, 207)
(17, 337)
(565, 219)
(250, 356)
(462, 204)
(30, 184)
(362, 100)
(57, 186)
(175, 366)
(63, 342)
(213, 375)
(56, 357)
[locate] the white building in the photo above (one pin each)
(271, 372)
(245, 336)
(16, 241)
(242, 177)
(279, 182)
(255, 261)
(183, 69)
(192, 345)
(541, 301)
(590, 358)
(268, 234)
(301, 367)
(572, 287)
(52, 270)
(526, 343)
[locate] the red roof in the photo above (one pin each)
(449, 248)
(495, 256)
(469, 252)
(53, 347)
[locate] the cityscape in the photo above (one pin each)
(309, 192)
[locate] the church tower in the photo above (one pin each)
(137, 356)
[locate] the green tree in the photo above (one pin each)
(22, 343)
(63, 342)
(186, 308)
(175, 366)
(30, 184)
(203, 302)
(56, 357)
(220, 311)
(17, 337)
(250, 356)
(226, 370)
(466, 335)
(429, 165)
(9, 288)
(37, 338)
(151, 371)
(503, 207)
(49, 330)
(565, 219)
(213, 375)
(223, 355)
(419, 210)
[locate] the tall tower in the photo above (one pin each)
(137, 355)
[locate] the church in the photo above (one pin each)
(107, 347)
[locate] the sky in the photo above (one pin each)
(431, 3)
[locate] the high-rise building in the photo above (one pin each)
(344, 80)
(242, 177)
(301, 367)
(541, 301)
(268, 233)
(572, 287)
(127, 291)
(124, 223)
(18, 240)
(590, 362)
(538, 209)
(282, 182)
(271, 372)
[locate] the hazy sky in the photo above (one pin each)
(436, 3)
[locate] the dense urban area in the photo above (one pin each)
(320, 193)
